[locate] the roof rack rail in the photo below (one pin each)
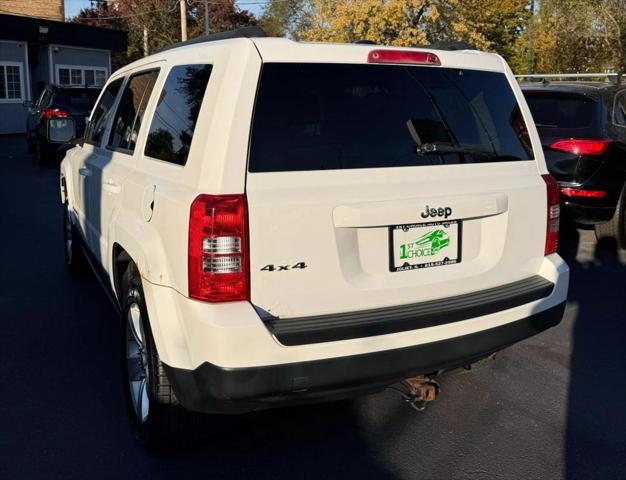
(548, 76)
(245, 32)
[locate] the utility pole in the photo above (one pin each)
(183, 20)
(145, 42)
(206, 17)
(531, 52)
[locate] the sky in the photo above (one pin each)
(72, 7)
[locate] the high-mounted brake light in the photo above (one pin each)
(218, 268)
(553, 214)
(50, 113)
(403, 56)
(589, 147)
(577, 192)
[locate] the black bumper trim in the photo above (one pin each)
(214, 389)
(587, 214)
(380, 321)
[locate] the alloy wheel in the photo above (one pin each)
(137, 363)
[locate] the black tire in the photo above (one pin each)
(166, 424)
(75, 261)
(616, 227)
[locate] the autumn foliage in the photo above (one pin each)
(532, 35)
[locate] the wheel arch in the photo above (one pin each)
(168, 333)
(65, 182)
(120, 260)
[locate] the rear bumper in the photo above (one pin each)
(587, 214)
(213, 389)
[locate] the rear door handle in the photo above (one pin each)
(111, 187)
(84, 171)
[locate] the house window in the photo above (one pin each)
(11, 82)
(75, 76)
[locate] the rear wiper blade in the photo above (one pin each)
(442, 148)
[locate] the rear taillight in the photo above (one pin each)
(50, 113)
(403, 56)
(218, 248)
(591, 148)
(578, 192)
(553, 214)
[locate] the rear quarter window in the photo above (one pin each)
(177, 110)
(338, 116)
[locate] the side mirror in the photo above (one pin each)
(61, 130)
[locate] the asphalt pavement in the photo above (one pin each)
(551, 407)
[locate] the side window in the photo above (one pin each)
(131, 109)
(176, 114)
(102, 112)
(619, 116)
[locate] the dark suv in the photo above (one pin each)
(582, 126)
(57, 103)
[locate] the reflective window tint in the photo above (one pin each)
(131, 109)
(102, 112)
(176, 114)
(337, 116)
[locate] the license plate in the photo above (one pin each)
(423, 245)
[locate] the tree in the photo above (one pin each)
(99, 14)
(387, 22)
(161, 20)
(495, 28)
(613, 16)
(282, 18)
(563, 46)
(414, 22)
(223, 15)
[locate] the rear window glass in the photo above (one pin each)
(83, 101)
(563, 111)
(337, 116)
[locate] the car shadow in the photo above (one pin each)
(595, 440)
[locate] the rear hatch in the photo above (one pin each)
(78, 103)
(570, 128)
(374, 185)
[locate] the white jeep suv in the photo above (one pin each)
(283, 222)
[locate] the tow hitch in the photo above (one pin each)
(418, 391)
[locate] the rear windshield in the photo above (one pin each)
(83, 101)
(338, 116)
(557, 113)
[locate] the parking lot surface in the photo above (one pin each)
(551, 407)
